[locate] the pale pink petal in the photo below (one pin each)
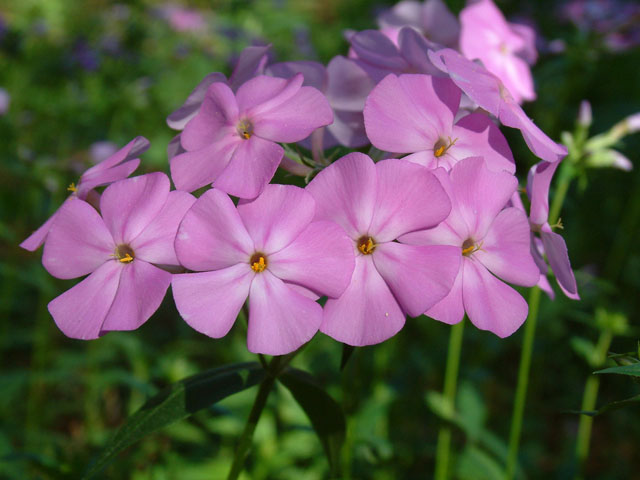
(277, 217)
(348, 86)
(491, 304)
(314, 73)
(192, 170)
(506, 249)
(212, 235)
(414, 48)
(78, 241)
(345, 193)
(210, 301)
(130, 151)
(321, 258)
(37, 238)
(408, 198)
(80, 311)
(179, 118)
(538, 183)
(251, 62)
(480, 194)
(89, 181)
(367, 312)
(418, 276)
(281, 320)
(140, 292)
(558, 256)
(219, 110)
(426, 159)
(251, 167)
(544, 285)
(376, 49)
(128, 206)
(411, 112)
(477, 136)
(174, 148)
(439, 24)
(294, 119)
(155, 243)
(263, 93)
(348, 129)
(450, 309)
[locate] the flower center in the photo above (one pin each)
(72, 187)
(442, 145)
(258, 262)
(469, 247)
(366, 245)
(124, 253)
(245, 129)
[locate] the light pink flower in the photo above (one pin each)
(505, 49)
(415, 113)
(121, 249)
(118, 166)
(493, 244)
(231, 142)
(487, 91)
(376, 204)
(269, 250)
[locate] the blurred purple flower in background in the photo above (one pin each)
(5, 101)
(183, 19)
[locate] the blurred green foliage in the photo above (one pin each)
(83, 71)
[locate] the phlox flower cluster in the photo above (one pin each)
(433, 225)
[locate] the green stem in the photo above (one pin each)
(275, 367)
(523, 383)
(450, 385)
(589, 398)
(565, 175)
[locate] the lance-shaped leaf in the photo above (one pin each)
(325, 414)
(180, 400)
(633, 370)
(610, 406)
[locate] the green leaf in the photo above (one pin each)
(178, 401)
(610, 406)
(633, 370)
(478, 465)
(325, 414)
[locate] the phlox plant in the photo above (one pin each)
(423, 217)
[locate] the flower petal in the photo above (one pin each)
(155, 243)
(277, 216)
(409, 197)
(250, 63)
(320, 258)
(281, 320)
(210, 301)
(80, 311)
(348, 85)
(262, 93)
(418, 276)
(105, 177)
(78, 241)
(506, 249)
(367, 312)
(378, 50)
(538, 183)
(251, 167)
(128, 206)
(345, 193)
(192, 170)
(212, 235)
(491, 304)
(140, 292)
(37, 238)
(179, 118)
(558, 256)
(450, 309)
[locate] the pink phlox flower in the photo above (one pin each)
(376, 204)
(377, 55)
(492, 243)
(488, 92)
(431, 17)
(415, 114)
(268, 250)
(550, 243)
(116, 167)
(346, 86)
(231, 142)
(183, 19)
(252, 62)
(505, 50)
(121, 249)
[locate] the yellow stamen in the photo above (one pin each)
(439, 151)
(366, 246)
(468, 250)
(441, 146)
(468, 247)
(558, 224)
(126, 259)
(246, 135)
(259, 266)
(72, 187)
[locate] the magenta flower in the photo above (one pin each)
(492, 242)
(121, 250)
(486, 90)
(118, 166)
(415, 113)
(376, 204)
(550, 243)
(506, 50)
(431, 17)
(269, 250)
(231, 142)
